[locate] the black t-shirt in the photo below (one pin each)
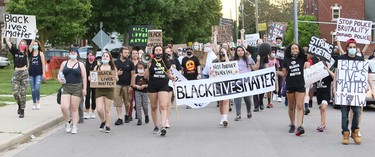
(254, 54)
(175, 61)
(157, 73)
(36, 66)
(190, 66)
(127, 66)
(141, 80)
(20, 59)
(324, 85)
(295, 69)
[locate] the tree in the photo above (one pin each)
(58, 21)
(305, 31)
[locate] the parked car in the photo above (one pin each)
(83, 51)
(4, 62)
(55, 53)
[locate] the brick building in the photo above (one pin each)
(329, 10)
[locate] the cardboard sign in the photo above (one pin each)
(102, 79)
(225, 68)
(320, 48)
(359, 30)
(276, 30)
(19, 26)
(201, 56)
(351, 82)
(138, 35)
(224, 33)
(314, 73)
(252, 39)
(155, 37)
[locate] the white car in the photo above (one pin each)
(4, 62)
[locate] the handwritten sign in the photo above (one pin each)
(276, 30)
(155, 37)
(314, 73)
(224, 33)
(252, 39)
(225, 68)
(102, 79)
(351, 84)
(19, 26)
(320, 48)
(359, 30)
(202, 56)
(138, 35)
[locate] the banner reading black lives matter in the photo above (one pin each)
(359, 30)
(320, 48)
(351, 82)
(222, 88)
(19, 26)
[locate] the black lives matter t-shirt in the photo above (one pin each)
(324, 85)
(157, 73)
(127, 66)
(295, 69)
(190, 66)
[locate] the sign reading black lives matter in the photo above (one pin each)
(221, 88)
(320, 48)
(138, 35)
(102, 79)
(351, 82)
(19, 26)
(155, 37)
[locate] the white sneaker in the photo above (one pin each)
(34, 107)
(74, 130)
(92, 115)
(279, 99)
(86, 115)
(37, 106)
(68, 127)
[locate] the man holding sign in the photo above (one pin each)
(349, 89)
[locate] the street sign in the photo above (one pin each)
(101, 39)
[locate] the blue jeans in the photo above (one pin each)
(35, 87)
(345, 118)
(205, 76)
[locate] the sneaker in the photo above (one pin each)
(102, 125)
(279, 99)
(167, 124)
(74, 130)
(300, 131)
(68, 126)
(225, 123)
(292, 128)
(269, 105)
(92, 115)
(256, 109)
(34, 107)
(126, 119)
(107, 129)
(130, 118)
(307, 111)
(119, 122)
(147, 119)
(156, 130)
(38, 106)
(163, 132)
(237, 118)
(139, 122)
(86, 115)
(261, 107)
(249, 115)
(321, 128)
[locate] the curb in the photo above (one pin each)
(38, 130)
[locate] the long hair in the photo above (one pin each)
(111, 63)
(244, 57)
(288, 51)
(219, 58)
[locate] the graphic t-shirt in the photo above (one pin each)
(295, 68)
(157, 73)
(140, 80)
(324, 85)
(190, 66)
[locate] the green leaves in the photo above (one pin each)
(305, 31)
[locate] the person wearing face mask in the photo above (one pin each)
(351, 47)
(74, 83)
(180, 54)
(20, 74)
(293, 67)
(196, 46)
(210, 57)
(191, 65)
(37, 72)
(273, 62)
(90, 94)
(140, 89)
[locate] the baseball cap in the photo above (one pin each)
(180, 48)
(351, 40)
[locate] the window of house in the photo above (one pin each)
(335, 12)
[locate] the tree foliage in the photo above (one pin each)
(58, 21)
(305, 31)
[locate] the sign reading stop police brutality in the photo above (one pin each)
(320, 48)
(222, 88)
(359, 30)
(19, 26)
(225, 68)
(155, 37)
(351, 84)
(102, 79)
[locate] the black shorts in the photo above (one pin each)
(320, 96)
(154, 88)
(295, 89)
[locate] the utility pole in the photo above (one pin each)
(256, 16)
(295, 21)
(236, 20)
(243, 16)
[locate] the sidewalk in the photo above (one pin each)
(14, 130)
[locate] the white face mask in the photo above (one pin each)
(273, 55)
(141, 71)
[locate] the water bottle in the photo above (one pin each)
(62, 77)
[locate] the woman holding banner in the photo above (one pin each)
(104, 96)
(245, 64)
(293, 67)
(158, 73)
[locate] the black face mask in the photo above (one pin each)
(158, 56)
(168, 55)
(189, 53)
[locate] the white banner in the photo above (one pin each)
(19, 26)
(314, 73)
(351, 82)
(251, 39)
(225, 68)
(222, 88)
(359, 30)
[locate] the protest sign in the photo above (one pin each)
(276, 30)
(359, 30)
(351, 82)
(155, 37)
(279, 53)
(225, 68)
(252, 39)
(102, 79)
(19, 26)
(262, 26)
(314, 73)
(224, 33)
(320, 48)
(138, 35)
(222, 88)
(225, 21)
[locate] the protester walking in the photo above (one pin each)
(140, 91)
(90, 100)
(37, 71)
